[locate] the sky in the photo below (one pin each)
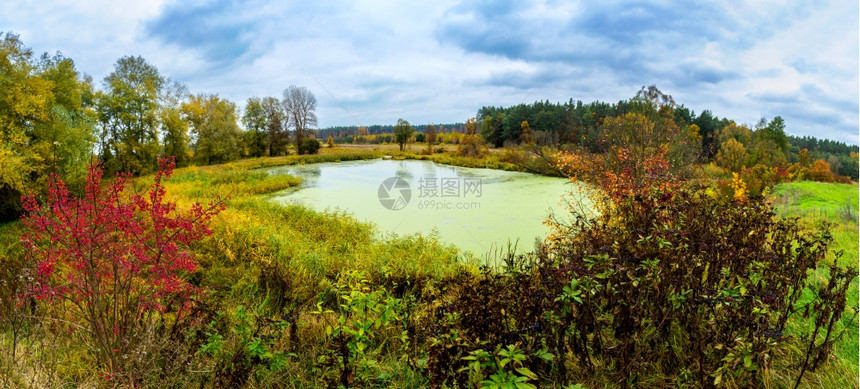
(372, 62)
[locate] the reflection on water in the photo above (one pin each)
(474, 209)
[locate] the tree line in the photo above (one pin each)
(720, 140)
(385, 133)
(842, 158)
(53, 120)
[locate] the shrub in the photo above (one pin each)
(691, 287)
(760, 178)
(309, 146)
(820, 171)
(514, 155)
(472, 146)
(119, 261)
(712, 171)
(665, 287)
(668, 281)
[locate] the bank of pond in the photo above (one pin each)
(477, 210)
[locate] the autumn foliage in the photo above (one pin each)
(668, 280)
(820, 171)
(115, 261)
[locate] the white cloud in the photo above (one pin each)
(373, 61)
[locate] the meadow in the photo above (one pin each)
(814, 203)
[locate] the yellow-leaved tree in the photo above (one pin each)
(46, 122)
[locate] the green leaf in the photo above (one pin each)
(544, 355)
(528, 373)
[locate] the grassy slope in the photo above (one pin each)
(813, 203)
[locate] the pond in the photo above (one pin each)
(478, 210)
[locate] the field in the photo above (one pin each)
(815, 203)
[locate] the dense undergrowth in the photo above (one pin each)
(298, 298)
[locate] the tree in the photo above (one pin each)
(267, 116)
(329, 142)
(803, 158)
(254, 120)
(46, 122)
(491, 129)
(709, 126)
(119, 261)
(471, 126)
(526, 133)
(740, 133)
(656, 128)
(835, 164)
(430, 134)
(173, 128)
(776, 132)
(402, 132)
(512, 124)
(766, 152)
(128, 115)
(213, 121)
(547, 121)
(732, 155)
(277, 137)
(299, 106)
(65, 142)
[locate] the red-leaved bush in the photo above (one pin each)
(116, 261)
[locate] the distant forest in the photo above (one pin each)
(345, 134)
(575, 123)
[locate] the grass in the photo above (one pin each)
(815, 203)
(818, 200)
(322, 243)
(448, 155)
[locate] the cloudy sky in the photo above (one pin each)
(372, 62)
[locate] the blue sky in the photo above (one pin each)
(372, 62)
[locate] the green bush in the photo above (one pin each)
(688, 291)
(309, 146)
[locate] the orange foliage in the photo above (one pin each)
(629, 185)
(820, 171)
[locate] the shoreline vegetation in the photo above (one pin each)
(264, 258)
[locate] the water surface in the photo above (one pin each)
(475, 209)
